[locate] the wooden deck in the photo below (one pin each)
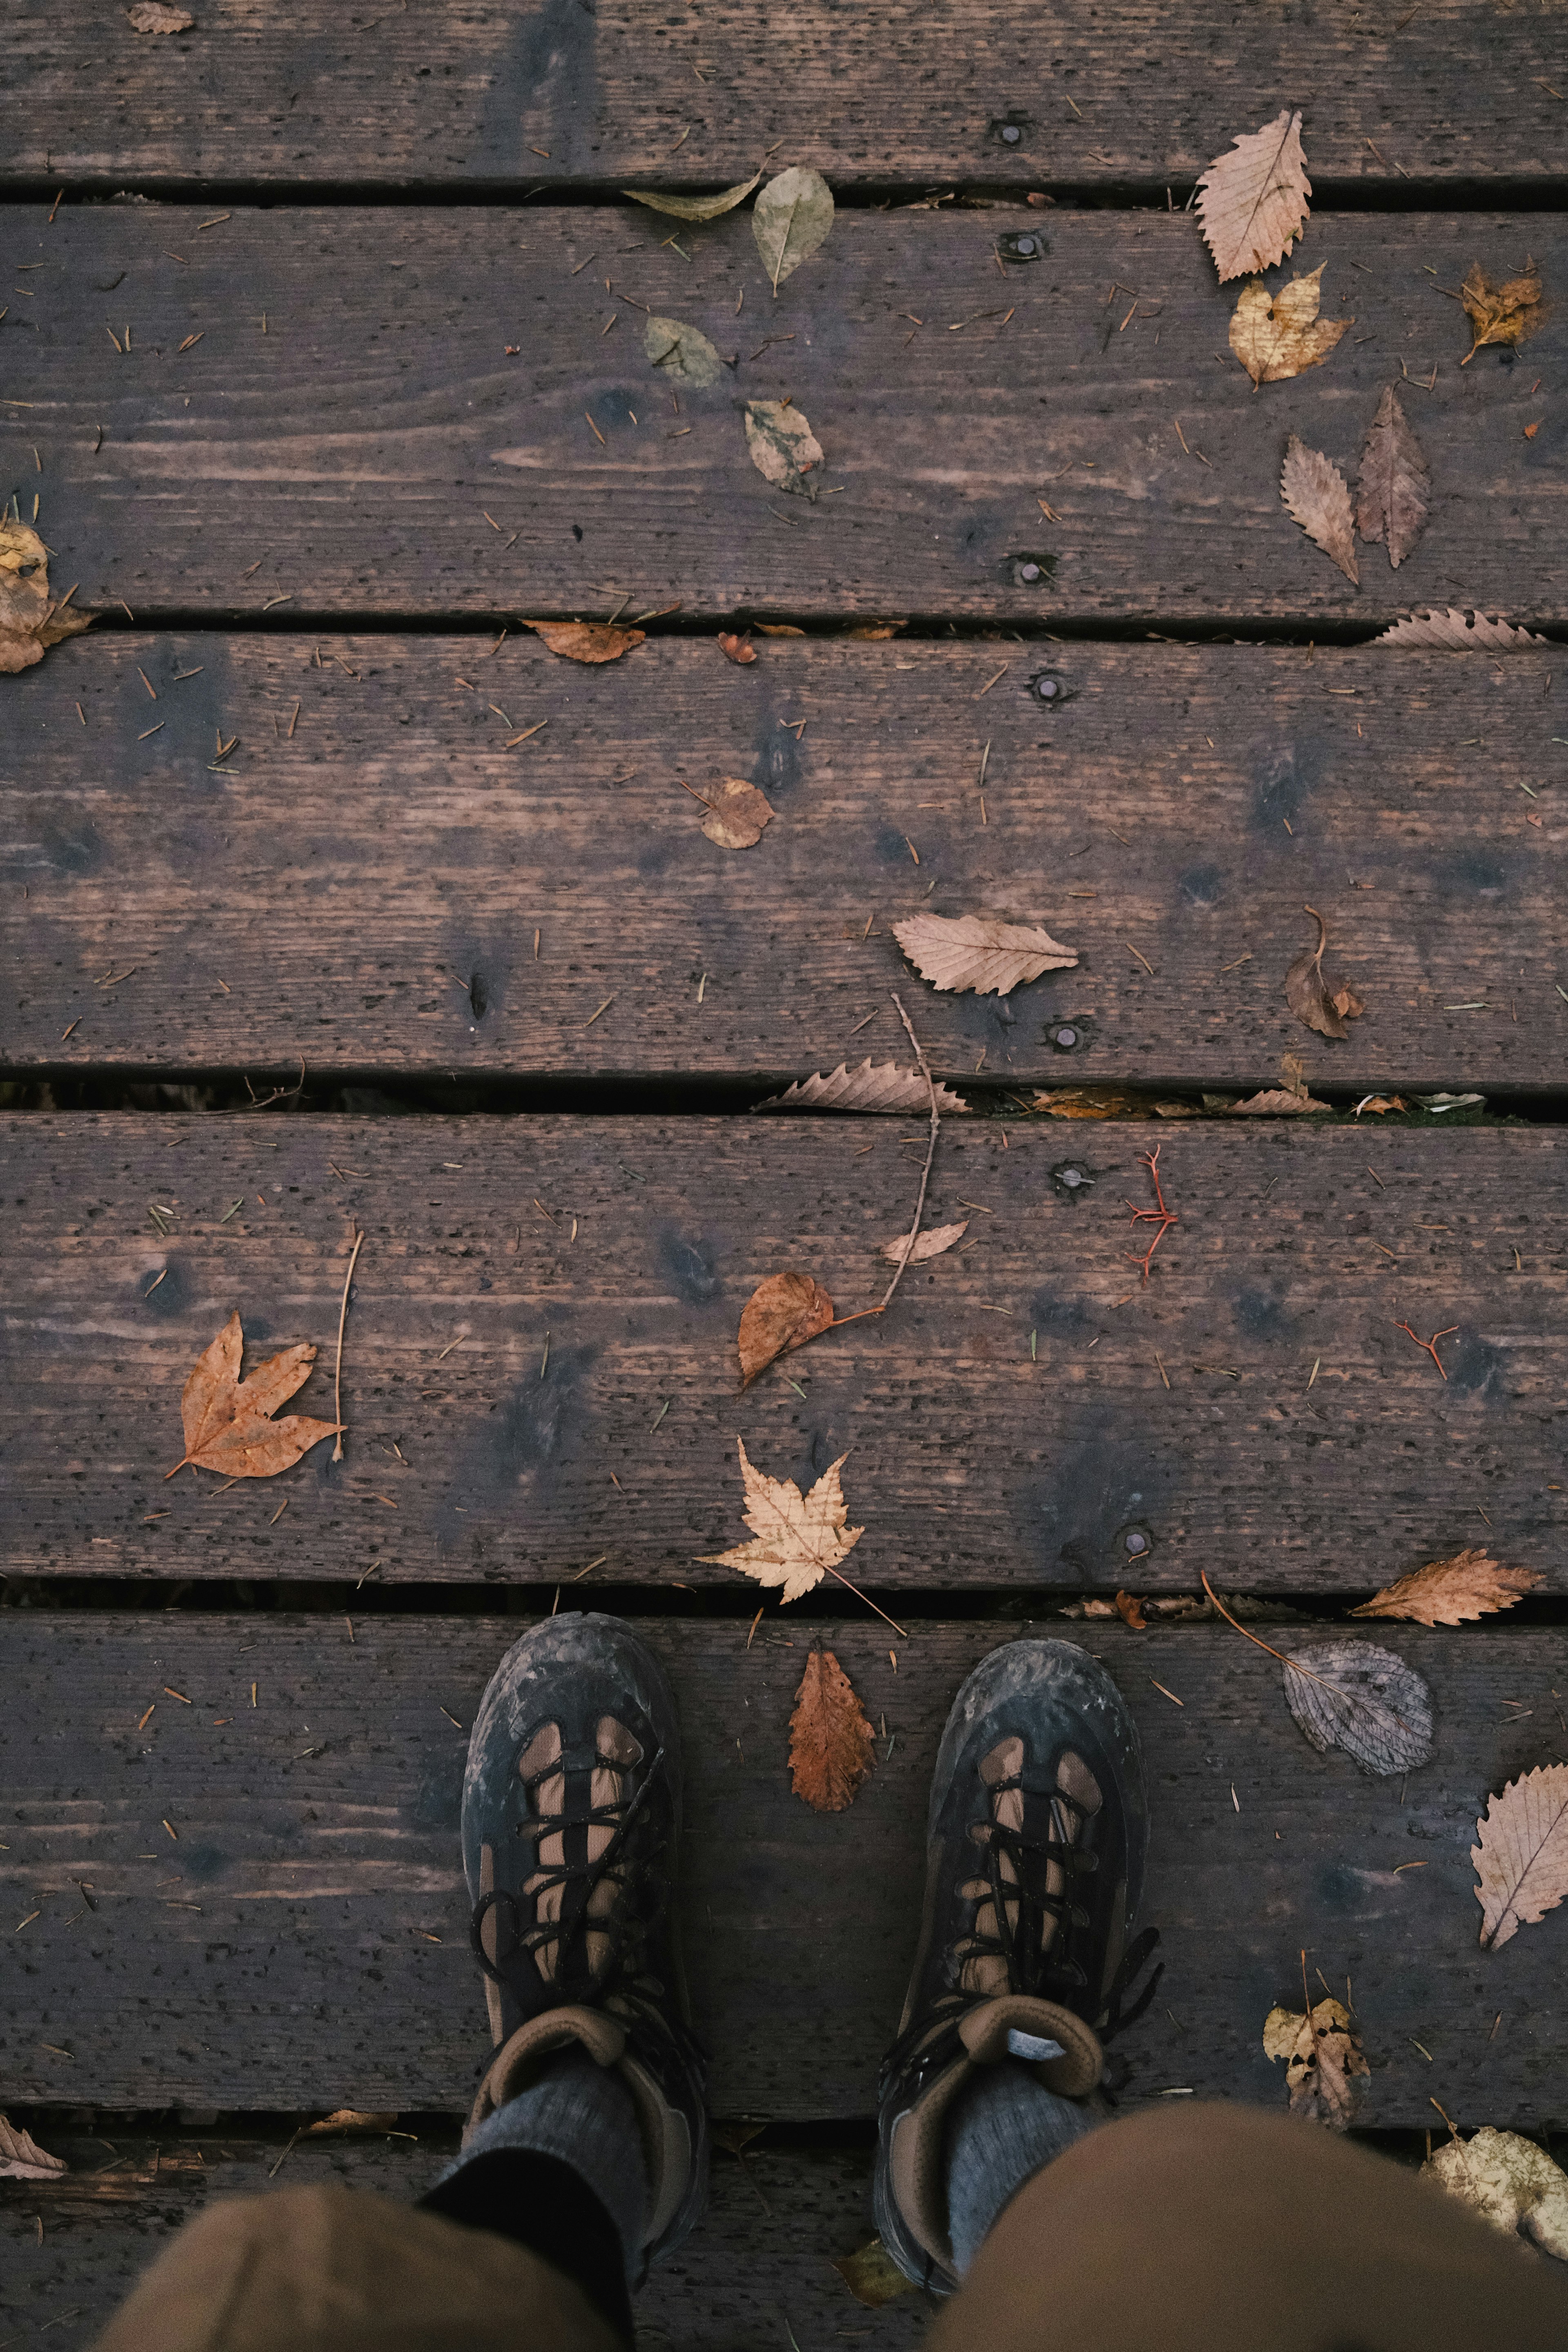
(326, 370)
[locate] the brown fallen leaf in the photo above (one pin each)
(1276, 336)
(228, 1423)
(1308, 993)
(790, 219)
(344, 2121)
(737, 814)
(695, 208)
(878, 1087)
(783, 448)
(1451, 1591)
(830, 1737)
(876, 633)
(586, 641)
(777, 629)
(1131, 1612)
(1509, 313)
(871, 2276)
(1276, 1102)
(1393, 486)
(1510, 2182)
(1380, 1105)
(1352, 1696)
(1252, 202)
(1324, 2061)
(1459, 632)
(30, 621)
(800, 1538)
(21, 2158)
(930, 1243)
(784, 1312)
(1315, 493)
(736, 648)
(152, 16)
(1521, 1861)
(979, 951)
(1110, 1102)
(682, 354)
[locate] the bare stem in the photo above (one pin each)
(866, 1597)
(338, 1375)
(931, 1155)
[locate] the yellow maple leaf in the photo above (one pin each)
(799, 1538)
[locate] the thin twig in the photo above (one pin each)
(338, 1375)
(931, 1155)
(1284, 1657)
(866, 1597)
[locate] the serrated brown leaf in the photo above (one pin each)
(736, 648)
(1308, 995)
(586, 641)
(228, 1423)
(799, 1537)
(152, 16)
(344, 2121)
(878, 1087)
(1315, 494)
(1510, 2182)
(830, 1737)
(931, 1243)
(30, 620)
(21, 2158)
(1352, 1696)
(1451, 1591)
(1274, 1102)
(1324, 2062)
(695, 208)
(871, 2276)
(1276, 336)
(784, 1312)
(1509, 313)
(1459, 632)
(1521, 1861)
(980, 952)
(783, 447)
(737, 814)
(1394, 484)
(1252, 201)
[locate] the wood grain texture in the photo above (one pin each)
(630, 1247)
(365, 890)
(279, 1952)
(765, 2247)
(347, 458)
(567, 92)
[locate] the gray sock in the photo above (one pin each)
(1002, 2127)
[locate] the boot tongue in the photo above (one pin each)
(991, 2030)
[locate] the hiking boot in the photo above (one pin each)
(1035, 1865)
(571, 1828)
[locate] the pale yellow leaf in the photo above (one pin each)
(790, 219)
(344, 2121)
(1324, 2062)
(1459, 632)
(878, 1087)
(21, 2158)
(1450, 1592)
(1314, 491)
(1276, 337)
(799, 1536)
(932, 1243)
(30, 619)
(979, 951)
(871, 2276)
(1252, 202)
(1510, 2182)
(695, 208)
(1521, 1861)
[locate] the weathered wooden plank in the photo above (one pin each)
(365, 889)
(765, 2247)
(568, 94)
(348, 457)
(304, 1941)
(545, 1315)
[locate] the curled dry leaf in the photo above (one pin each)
(777, 629)
(873, 1086)
(1252, 202)
(586, 641)
(21, 2158)
(830, 1737)
(1521, 1861)
(1353, 1695)
(1324, 2063)
(1451, 1591)
(790, 219)
(871, 2276)
(1379, 1106)
(782, 1313)
(1276, 1102)
(228, 1423)
(1276, 336)
(932, 1243)
(1509, 313)
(799, 1536)
(152, 16)
(1393, 485)
(1308, 993)
(695, 208)
(1315, 493)
(344, 2121)
(1461, 633)
(736, 648)
(737, 814)
(1510, 2182)
(682, 354)
(1108, 1102)
(980, 952)
(783, 449)
(1129, 1609)
(30, 622)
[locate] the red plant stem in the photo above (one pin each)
(1430, 1345)
(1165, 1218)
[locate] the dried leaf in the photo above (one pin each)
(21, 2158)
(783, 449)
(931, 1243)
(979, 951)
(1253, 201)
(873, 1086)
(1106, 1102)
(1510, 2182)
(1394, 484)
(1276, 336)
(1380, 1105)
(228, 1423)
(777, 629)
(1521, 1861)
(737, 814)
(799, 1536)
(1131, 1612)
(1459, 632)
(152, 16)
(782, 1313)
(871, 2276)
(1450, 1592)
(830, 1737)
(1509, 313)
(1274, 1102)
(875, 633)
(1352, 1696)
(735, 2136)
(29, 621)
(790, 219)
(736, 648)
(1324, 2061)
(1308, 993)
(586, 641)
(345, 2120)
(695, 208)
(681, 354)
(1314, 491)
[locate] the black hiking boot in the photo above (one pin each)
(571, 1828)
(1035, 1866)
